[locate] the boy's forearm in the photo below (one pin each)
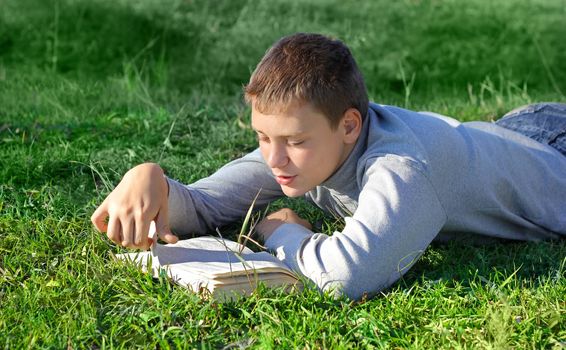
(223, 197)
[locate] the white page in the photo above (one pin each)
(206, 256)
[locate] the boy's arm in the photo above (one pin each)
(223, 197)
(398, 215)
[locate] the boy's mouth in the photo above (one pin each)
(284, 180)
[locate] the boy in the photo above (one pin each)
(399, 178)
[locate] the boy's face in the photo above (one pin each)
(300, 147)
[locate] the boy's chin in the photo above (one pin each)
(293, 192)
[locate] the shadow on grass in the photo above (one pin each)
(99, 39)
(464, 263)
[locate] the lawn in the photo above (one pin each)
(89, 89)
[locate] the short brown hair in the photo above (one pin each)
(308, 68)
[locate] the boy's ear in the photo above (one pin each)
(352, 125)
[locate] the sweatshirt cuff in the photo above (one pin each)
(182, 216)
(286, 242)
(175, 189)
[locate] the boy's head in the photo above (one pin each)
(308, 98)
(308, 68)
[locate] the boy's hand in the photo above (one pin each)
(138, 199)
(272, 221)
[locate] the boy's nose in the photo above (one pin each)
(277, 157)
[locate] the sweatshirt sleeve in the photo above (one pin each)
(223, 197)
(398, 215)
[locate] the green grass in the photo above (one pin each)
(89, 89)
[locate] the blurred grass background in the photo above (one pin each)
(89, 89)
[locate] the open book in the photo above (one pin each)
(212, 266)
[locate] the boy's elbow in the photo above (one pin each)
(344, 270)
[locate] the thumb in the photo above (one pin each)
(162, 227)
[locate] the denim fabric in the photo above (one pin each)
(543, 122)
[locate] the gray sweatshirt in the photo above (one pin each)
(411, 177)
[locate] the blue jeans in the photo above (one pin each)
(543, 122)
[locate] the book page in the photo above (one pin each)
(213, 264)
(214, 257)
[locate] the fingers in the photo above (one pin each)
(98, 218)
(114, 231)
(128, 231)
(128, 227)
(289, 216)
(162, 223)
(162, 228)
(141, 240)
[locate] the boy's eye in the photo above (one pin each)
(295, 143)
